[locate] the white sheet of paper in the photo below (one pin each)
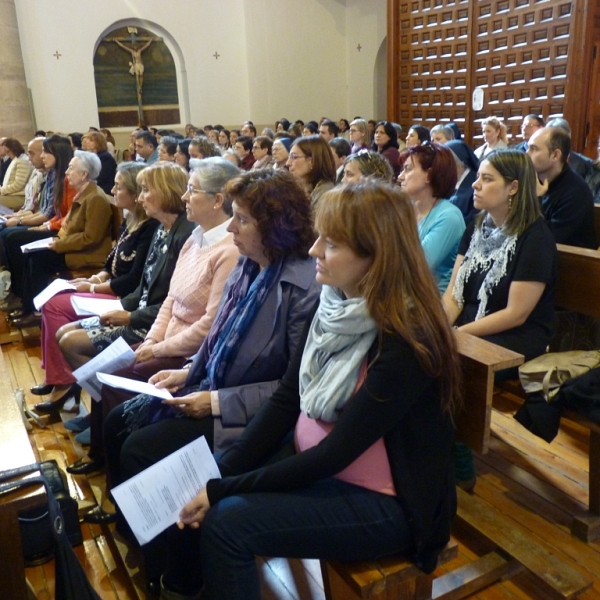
(139, 387)
(58, 285)
(4, 210)
(37, 245)
(85, 306)
(152, 500)
(118, 355)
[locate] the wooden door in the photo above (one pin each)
(517, 51)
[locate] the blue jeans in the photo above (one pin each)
(330, 519)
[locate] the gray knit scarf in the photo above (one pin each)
(340, 336)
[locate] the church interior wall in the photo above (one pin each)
(276, 57)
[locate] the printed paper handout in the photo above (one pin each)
(152, 500)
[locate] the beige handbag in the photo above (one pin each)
(548, 372)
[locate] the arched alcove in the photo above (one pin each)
(132, 55)
(380, 82)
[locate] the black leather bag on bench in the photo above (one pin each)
(71, 582)
(36, 532)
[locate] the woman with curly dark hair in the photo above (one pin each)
(264, 306)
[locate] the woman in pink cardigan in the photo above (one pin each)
(185, 318)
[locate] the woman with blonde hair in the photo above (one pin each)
(367, 164)
(120, 276)
(376, 368)
(162, 186)
(310, 160)
(494, 136)
(359, 135)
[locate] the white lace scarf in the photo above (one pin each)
(490, 250)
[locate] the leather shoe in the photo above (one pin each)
(99, 516)
(53, 406)
(43, 389)
(30, 320)
(16, 314)
(85, 468)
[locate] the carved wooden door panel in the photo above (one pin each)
(515, 50)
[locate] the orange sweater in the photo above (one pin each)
(65, 205)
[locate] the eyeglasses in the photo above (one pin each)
(294, 156)
(192, 190)
(352, 130)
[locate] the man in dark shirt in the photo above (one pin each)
(567, 202)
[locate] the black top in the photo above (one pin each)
(156, 289)
(4, 164)
(534, 260)
(569, 209)
(399, 402)
(463, 197)
(125, 262)
(106, 179)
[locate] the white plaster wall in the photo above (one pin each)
(293, 58)
(367, 26)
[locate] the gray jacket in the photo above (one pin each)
(265, 351)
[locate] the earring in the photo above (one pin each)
(510, 199)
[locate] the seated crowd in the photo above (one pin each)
(296, 292)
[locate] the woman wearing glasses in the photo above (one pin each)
(429, 177)
(261, 148)
(311, 162)
(359, 135)
(185, 317)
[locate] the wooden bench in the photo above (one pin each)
(15, 451)
(514, 550)
(578, 290)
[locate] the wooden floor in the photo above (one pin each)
(534, 484)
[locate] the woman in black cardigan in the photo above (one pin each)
(162, 186)
(368, 404)
(120, 276)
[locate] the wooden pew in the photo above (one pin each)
(15, 451)
(514, 551)
(578, 290)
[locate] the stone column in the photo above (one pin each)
(15, 110)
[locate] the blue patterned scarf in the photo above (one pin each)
(231, 325)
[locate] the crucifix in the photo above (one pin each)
(136, 66)
(57, 55)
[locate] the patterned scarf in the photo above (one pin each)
(490, 250)
(231, 325)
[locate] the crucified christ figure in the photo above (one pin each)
(136, 65)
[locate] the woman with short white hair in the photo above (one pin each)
(83, 241)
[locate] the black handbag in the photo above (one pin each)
(36, 533)
(71, 582)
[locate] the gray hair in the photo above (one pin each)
(233, 155)
(561, 124)
(446, 131)
(90, 163)
(214, 172)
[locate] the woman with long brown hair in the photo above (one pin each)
(311, 161)
(369, 405)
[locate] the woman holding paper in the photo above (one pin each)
(56, 202)
(162, 185)
(264, 307)
(336, 464)
(185, 317)
(84, 238)
(121, 274)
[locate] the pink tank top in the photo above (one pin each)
(370, 470)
